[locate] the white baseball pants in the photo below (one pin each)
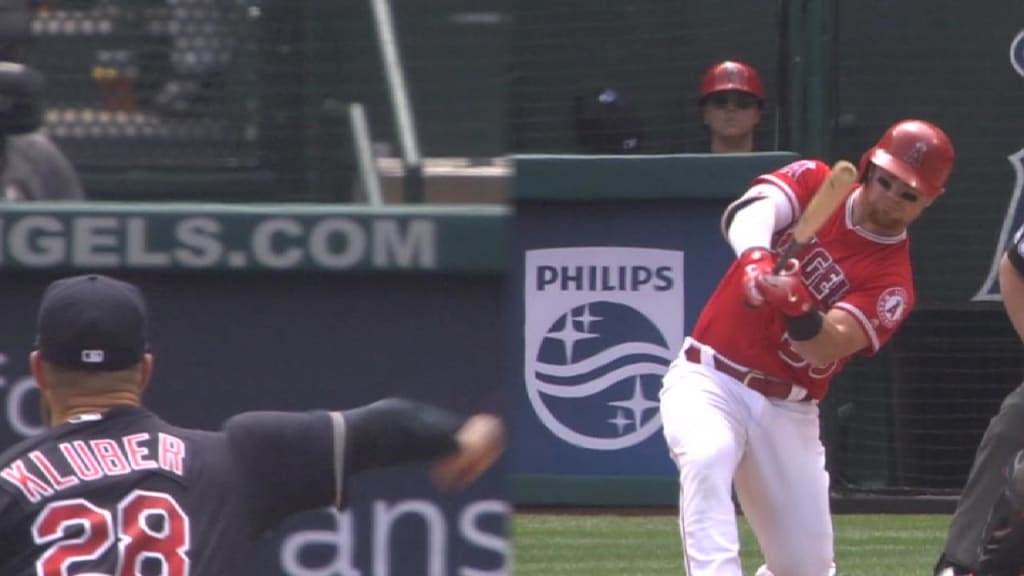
(722, 434)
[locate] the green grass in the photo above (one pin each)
(610, 545)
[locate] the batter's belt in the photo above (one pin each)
(755, 380)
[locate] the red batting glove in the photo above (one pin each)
(786, 292)
(755, 262)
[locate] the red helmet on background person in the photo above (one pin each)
(732, 75)
(917, 152)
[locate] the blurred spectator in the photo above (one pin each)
(731, 101)
(35, 169)
(202, 45)
(32, 166)
(605, 125)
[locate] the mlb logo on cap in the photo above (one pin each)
(92, 322)
(92, 356)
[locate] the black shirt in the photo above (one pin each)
(127, 489)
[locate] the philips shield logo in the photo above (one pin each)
(602, 326)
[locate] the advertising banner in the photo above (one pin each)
(602, 326)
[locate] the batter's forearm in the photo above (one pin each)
(838, 337)
(752, 226)
(820, 350)
(752, 220)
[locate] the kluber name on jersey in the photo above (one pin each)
(37, 475)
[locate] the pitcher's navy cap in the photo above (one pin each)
(92, 322)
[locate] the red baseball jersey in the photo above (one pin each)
(846, 267)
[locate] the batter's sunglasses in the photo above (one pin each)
(741, 100)
(886, 183)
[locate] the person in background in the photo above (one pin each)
(32, 166)
(604, 124)
(731, 101)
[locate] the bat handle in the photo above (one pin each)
(788, 252)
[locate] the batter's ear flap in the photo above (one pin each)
(867, 174)
(865, 164)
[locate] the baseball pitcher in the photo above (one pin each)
(111, 488)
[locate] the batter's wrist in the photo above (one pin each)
(804, 327)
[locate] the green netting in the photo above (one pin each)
(489, 78)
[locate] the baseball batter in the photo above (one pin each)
(986, 534)
(111, 488)
(739, 404)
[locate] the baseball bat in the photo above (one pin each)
(826, 200)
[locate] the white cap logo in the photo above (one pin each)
(92, 356)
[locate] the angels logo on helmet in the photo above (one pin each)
(916, 155)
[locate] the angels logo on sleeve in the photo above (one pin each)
(892, 306)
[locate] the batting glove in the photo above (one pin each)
(785, 291)
(755, 262)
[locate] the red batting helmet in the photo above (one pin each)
(917, 152)
(732, 75)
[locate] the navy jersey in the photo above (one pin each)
(128, 493)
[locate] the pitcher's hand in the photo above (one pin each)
(481, 441)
